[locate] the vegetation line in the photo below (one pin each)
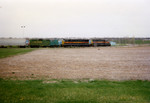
(6, 52)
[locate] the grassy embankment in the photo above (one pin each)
(68, 91)
(5, 52)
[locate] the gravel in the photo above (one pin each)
(111, 63)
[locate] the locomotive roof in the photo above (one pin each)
(75, 39)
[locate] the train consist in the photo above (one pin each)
(53, 42)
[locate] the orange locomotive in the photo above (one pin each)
(84, 42)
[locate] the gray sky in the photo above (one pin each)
(75, 18)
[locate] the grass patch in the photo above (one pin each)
(68, 91)
(6, 52)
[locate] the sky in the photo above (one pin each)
(74, 18)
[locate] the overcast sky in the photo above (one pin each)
(75, 18)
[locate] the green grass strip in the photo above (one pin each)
(6, 52)
(70, 91)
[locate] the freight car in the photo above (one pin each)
(13, 42)
(75, 42)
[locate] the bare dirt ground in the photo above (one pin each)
(113, 63)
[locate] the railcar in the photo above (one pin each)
(39, 43)
(100, 42)
(107, 43)
(75, 42)
(45, 43)
(13, 42)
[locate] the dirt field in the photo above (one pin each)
(113, 63)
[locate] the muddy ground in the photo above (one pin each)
(112, 63)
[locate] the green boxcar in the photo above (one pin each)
(39, 43)
(54, 43)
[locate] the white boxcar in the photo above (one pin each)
(12, 42)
